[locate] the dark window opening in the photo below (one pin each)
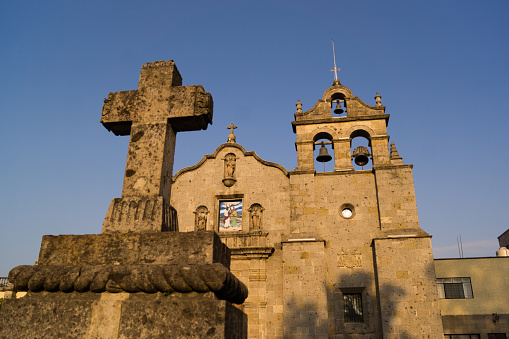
(353, 308)
(454, 288)
(454, 291)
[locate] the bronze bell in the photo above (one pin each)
(338, 109)
(361, 155)
(323, 155)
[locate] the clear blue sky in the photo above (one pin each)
(440, 66)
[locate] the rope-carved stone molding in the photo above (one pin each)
(131, 278)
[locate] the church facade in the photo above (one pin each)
(336, 254)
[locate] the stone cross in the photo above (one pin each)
(152, 115)
(231, 136)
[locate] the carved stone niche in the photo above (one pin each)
(230, 169)
(200, 218)
(255, 216)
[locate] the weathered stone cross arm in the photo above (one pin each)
(152, 115)
(160, 96)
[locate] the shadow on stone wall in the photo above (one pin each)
(388, 318)
(308, 320)
(303, 320)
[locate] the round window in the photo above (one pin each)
(347, 211)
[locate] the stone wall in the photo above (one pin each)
(304, 289)
(407, 287)
(119, 315)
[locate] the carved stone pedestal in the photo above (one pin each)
(127, 285)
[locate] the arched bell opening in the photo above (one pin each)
(360, 149)
(323, 152)
(338, 105)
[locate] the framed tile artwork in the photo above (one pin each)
(230, 215)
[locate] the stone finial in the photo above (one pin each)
(299, 106)
(378, 99)
(394, 152)
(231, 136)
(395, 158)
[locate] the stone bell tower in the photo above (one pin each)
(357, 227)
(357, 119)
(360, 119)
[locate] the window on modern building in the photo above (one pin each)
(353, 308)
(496, 336)
(454, 288)
(461, 336)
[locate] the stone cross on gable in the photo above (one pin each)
(152, 115)
(231, 136)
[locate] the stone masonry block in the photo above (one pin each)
(134, 248)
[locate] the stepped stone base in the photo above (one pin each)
(127, 285)
(121, 315)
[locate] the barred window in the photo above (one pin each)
(461, 336)
(353, 308)
(454, 288)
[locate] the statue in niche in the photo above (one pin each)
(230, 167)
(200, 218)
(255, 214)
(230, 160)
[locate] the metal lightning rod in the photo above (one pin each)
(335, 69)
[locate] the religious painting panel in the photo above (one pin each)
(230, 215)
